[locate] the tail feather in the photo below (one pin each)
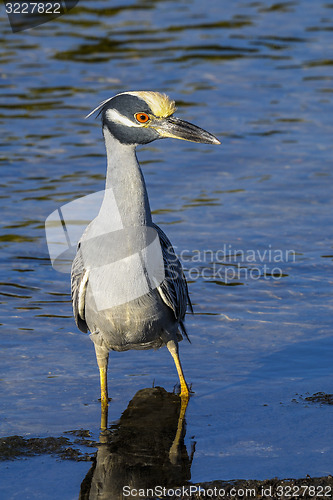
(183, 330)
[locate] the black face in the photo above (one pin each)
(127, 106)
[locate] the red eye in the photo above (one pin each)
(142, 117)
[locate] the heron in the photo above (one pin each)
(128, 286)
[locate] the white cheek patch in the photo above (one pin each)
(115, 117)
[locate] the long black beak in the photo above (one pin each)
(180, 129)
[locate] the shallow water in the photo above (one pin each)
(258, 75)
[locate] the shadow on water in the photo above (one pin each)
(258, 74)
(145, 453)
(144, 449)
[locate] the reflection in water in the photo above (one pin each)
(252, 71)
(144, 450)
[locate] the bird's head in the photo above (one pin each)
(142, 117)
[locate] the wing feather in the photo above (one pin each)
(173, 289)
(79, 282)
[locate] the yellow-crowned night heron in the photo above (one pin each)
(128, 287)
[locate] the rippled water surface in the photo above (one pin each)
(251, 219)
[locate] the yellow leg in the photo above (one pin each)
(104, 397)
(102, 357)
(174, 452)
(184, 391)
(104, 385)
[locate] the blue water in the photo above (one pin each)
(258, 75)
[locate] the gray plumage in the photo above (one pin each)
(173, 291)
(154, 317)
(128, 286)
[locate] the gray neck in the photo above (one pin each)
(125, 190)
